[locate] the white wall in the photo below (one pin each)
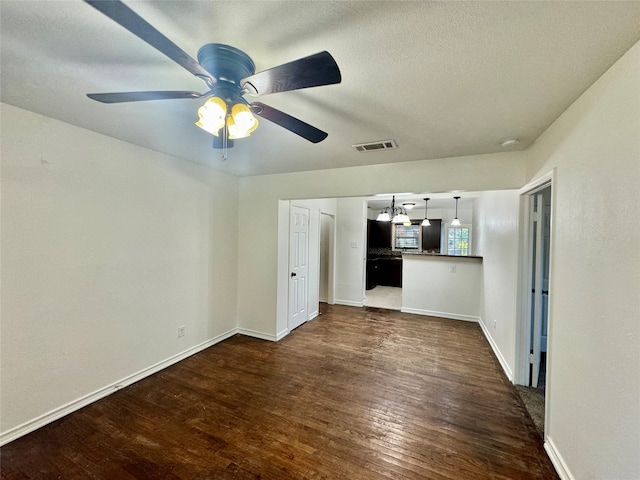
(495, 231)
(351, 251)
(106, 248)
(442, 286)
(594, 349)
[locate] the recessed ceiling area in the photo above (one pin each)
(443, 79)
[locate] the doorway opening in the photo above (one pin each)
(383, 272)
(325, 280)
(533, 325)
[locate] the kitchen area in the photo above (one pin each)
(421, 264)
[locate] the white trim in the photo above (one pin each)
(497, 352)
(556, 459)
(539, 183)
(312, 315)
(523, 326)
(262, 335)
(348, 303)
(282, 334)
(452, 316)
(57, 413)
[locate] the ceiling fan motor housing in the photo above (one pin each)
(225, 62)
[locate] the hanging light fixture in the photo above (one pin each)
(394, 214)
(216, 113)
(426, 222)
(456, 221)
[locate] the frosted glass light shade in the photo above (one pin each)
(241, 122)
(455, 222)
(383, 217)
(212, 115)
(426, 222)
(401, 218)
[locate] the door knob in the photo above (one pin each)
(293, 274)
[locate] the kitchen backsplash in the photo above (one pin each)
(383, 252)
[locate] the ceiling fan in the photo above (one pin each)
(229, 74)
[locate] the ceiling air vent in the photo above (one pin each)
(376, 146)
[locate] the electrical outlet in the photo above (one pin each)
(495, 322)
(181, 331)
(453, 268)
(354, 244)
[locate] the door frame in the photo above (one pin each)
(523, 324)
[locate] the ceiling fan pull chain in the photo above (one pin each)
(225, 137)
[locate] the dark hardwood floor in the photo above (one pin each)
(358, 393)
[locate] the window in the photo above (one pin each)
(458, 241)
(406, 237)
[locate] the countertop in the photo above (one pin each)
(421, 254)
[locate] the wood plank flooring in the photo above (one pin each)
(358, 393)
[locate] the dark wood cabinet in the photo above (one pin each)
(431, 236)
(378, 234)
(390, 272)
(386, 271)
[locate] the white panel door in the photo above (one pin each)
(298, 266)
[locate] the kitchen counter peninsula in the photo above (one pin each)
(426, 254)
(438, 285)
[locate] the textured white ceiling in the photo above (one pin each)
(443, 79)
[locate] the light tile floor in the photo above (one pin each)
(384, 297)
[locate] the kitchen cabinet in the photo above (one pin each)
(378, 234)
(386, 271)
(431, 236)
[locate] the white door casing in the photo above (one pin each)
(536, 269)
(298, 266)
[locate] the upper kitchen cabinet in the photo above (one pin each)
(431, 236)
(379, 234)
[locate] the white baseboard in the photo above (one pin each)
(313, 315)
(282, 334)
(349, 303)
(262, 335)
(430, 313)
(57, 413)
(497, 352)
(557, 460)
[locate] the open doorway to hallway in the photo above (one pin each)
(534, 322)
(325, 270)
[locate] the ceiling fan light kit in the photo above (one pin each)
(229, 74)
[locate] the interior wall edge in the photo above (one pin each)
(496, 351)
(557, 460)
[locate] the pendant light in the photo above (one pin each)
(426, 222)
(456, 220)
